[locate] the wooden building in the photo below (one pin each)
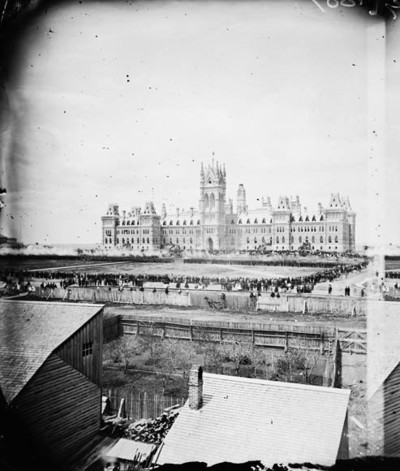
(383, 376)
(236, 420)
(50, 374)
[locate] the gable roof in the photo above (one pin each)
(248, 419)
(29, 332)
(383, 329)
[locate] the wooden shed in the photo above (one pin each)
(383, 376)
(51, 373)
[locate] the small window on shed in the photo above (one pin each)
(87, 349)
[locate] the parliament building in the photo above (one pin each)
(216, 225)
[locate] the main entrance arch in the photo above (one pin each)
(210, 245)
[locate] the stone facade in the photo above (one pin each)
(215, 226)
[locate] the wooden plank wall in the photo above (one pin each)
(60, 408)
(384, 417)
(269, 336)
(71, 350)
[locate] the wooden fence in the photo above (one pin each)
(141, 405)
(242, 302)
(273, 336)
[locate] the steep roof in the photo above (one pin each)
(247, 419)
(383, 329)
(29, 332)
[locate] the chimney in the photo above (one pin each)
(196, 387)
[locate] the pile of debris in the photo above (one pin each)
(153, 430)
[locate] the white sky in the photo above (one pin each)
(278, 90)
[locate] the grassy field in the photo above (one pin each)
(187, 269)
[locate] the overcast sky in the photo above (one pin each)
(122, 102)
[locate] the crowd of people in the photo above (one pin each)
(65, 279)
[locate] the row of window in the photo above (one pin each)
(145, 240)
(177, 231)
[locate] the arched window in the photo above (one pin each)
(263, 240)
(300, 240)
(232, 222)
(336, 239)
(240, 221)
(255, 221)
(191, 240)
(184, 222)
(263, 221)
(321, 218)
(177, 222)
(191, 222)
(248, 221)
(170, 223)
(164, 223)
(277, 240)
(248, 240)
(307, 218)
(123, 223)
(198, 222)
(283, 239)
(321, 239)
(206, 201)
(255, 240)
(313, 239)
(330, 239)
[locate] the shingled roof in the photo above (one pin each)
(30, 332)
(245, 419)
